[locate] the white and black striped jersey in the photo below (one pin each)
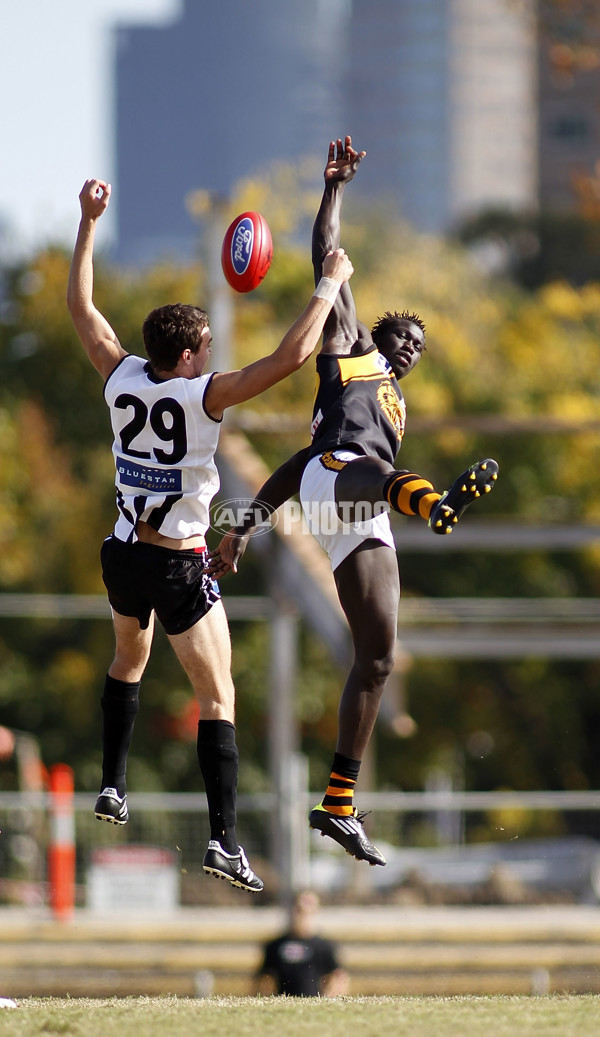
(164, 447)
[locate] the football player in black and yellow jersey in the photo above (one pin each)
(347, 484)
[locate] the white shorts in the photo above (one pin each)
(317, 496)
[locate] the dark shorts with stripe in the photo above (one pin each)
(141, 578)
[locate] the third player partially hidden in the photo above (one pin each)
(357, 428)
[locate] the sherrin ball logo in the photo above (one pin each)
(241, 245)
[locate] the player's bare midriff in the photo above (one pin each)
(150, 536)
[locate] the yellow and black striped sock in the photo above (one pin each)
(338, 798)
(410, 494)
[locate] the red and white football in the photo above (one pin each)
(247, 251)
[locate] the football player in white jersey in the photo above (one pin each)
(165, 415)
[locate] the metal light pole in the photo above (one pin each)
(212, 209)
(289, 771)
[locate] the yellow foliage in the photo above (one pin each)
(491, 350)
(46, 517)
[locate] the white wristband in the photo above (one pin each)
(328, 289)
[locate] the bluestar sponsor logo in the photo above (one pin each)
(227, 515)
(143, 477)
(241, 245)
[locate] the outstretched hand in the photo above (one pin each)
(342, 161)
(226, 555)
(94, 198)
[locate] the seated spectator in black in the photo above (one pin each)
(300, 963)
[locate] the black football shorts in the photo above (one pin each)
(142, 577)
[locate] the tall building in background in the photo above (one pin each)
(215, 97)
(443, 94)
(569, 117)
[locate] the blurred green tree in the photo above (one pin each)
(493, 351)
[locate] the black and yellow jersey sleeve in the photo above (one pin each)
(358, 406)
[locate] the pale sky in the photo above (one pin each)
(56, 97)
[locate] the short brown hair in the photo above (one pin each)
(168, 330)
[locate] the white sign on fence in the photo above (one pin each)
(132, 878)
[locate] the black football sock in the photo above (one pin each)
(120, 704)
(219, 760)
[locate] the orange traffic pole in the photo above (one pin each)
(61, 848)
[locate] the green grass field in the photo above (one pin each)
(560, 1016)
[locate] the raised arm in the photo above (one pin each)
(231, 387)
(341, 327)
(97, 337)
